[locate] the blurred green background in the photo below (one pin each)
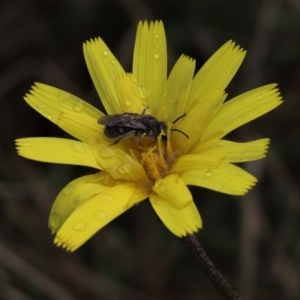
(253, 240)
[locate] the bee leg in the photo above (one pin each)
(139, 136)
(126, 135)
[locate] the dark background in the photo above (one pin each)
(254, 240)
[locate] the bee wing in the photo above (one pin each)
(122, 120)
(108, 120)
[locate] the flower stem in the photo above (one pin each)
(218, 281)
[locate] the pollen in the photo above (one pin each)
(159, 159)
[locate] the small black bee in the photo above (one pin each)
(132, 124)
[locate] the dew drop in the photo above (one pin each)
(219, 187)
(78, 147)
(113, 162)
(248, 104)
(63, 96)
(107, 152)
(81, 122)
(246, 158)
(157, 36)
(125, 168)
(105, 52)
(156, 55)
(49, 117)
(196, 127)
(142, 92)
(78, 107)
(107, 197)
(128, 101)
(260, 97)
(161, 187)
(79, 226)
(69, 189)
(90, 141)
(113, 61)
(161, 203)
(99, 215)
(209, 173)
(75, 201)
(63, 115)
(26, 143)
(54, 220)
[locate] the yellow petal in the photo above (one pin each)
(50, 101)
(236, 152)
(242, 109)
(179, 221)
(173, 189)
(197, 161)
(119, 164)
(217, 72)
(197, 120)
(55, 150)
(104, 68)
(82, 127)
(74, 193)
(228, 179)
(54, 103)
(131, 95)
(150, 61)
(94, 213)
(173, 102)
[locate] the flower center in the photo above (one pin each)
(159, 159)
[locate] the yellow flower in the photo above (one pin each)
(159, 169)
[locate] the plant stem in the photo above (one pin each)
(218, 281)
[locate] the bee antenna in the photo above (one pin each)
(180, 132)
(179, 118)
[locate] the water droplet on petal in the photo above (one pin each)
(260, 97)
(99, 215)
(161, 203)
(78, 147)
(113, 61)
(128, 101)
(107, 152)
(105, 52)
(54, 220)
(161, 186)
(106, 196)
(81, 122)
(157, 36)
(156, 55)
(75, 201)
(219, 188)
(125, 168)
(209, 173)
(69, 189)
(79, 226)
(196, 127)
(78, 107)
(63, 96)
(49, 117)
(90, 141)
(26, 143)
